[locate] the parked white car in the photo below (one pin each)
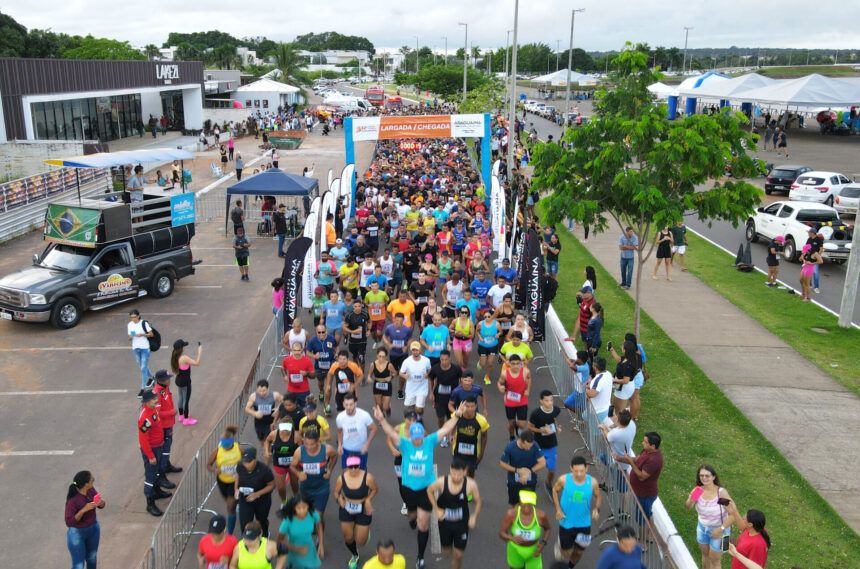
(816, 186)
(848, 199)
(792, 220)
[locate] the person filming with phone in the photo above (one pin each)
(715, 524)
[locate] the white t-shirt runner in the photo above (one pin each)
(416, 375)
(354, 428)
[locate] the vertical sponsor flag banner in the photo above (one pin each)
(330, 177)
(520, 252)
(515, 195)
(324, 209)
(534, 292)
(309, 283)
(315, 206)
(496, 165)
(497, 201)
(334, 190)
(347, 182)
(293, 265)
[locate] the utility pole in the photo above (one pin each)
(569, 66)
(490, 65)
(852, 273)
(512, 115)
(557, 52)
(465, 56)
(807, 57)
(445, 62)
(416, 55)
(507, 49)
(686, 37)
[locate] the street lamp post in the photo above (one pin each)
(557, 52)
(569, 66)
(465, 56)
(512, 116)
(507, 49)
(686, 37)
(416, 55)
(445, 62)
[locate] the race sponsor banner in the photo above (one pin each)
(347, 181)
(534, 291)
(515, 195)
(330, 177)
(325, 206)
(293, 265)
(496, 165)
(182, 209)
(497, 201)
(432, 126)
(520, 253)
(309, 283)
(334, 190)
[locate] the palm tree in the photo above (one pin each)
(151, 52)
(287, 61)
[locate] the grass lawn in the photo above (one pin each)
(802, 70)
(781, 313)
(700, 425)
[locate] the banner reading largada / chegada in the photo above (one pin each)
(434, 126)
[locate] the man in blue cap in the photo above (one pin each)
(417, 471)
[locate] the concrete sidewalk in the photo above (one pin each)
(809, 416)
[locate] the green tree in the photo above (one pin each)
(634, 166)
(287, 61)
(13, 37)
(102, 48)
(151, 52)
(581, 61)
(224, 56)
(187, 52)
(488, 97)
(444, 80)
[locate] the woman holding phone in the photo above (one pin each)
(181, 365)
(712, 503)
(753, 542)
(82, 537)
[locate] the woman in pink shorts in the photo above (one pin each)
(463, 331)
(809, 259)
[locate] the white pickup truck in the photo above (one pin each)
(792, 220)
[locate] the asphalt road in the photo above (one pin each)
(821, 153)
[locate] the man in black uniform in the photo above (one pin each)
(280, 220)
(355, 329)
(452, 509)
(444, 379)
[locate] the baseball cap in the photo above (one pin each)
(180, 343)
(812, 229)
(310, 405)
(338, 240)
(148, 395)
(586, 289)
(318, 290)
(428, 256)
(285, 427)
(249, 454)
(162, 375)
(411, 415)
(415, 346)
(353, 461)
(779, 238)
(506, 261)
(528, 497)
(416, 431)
(217, 524)
(251, 534)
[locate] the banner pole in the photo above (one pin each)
(350, 159)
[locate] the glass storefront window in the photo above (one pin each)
(39, 120)
(92, 119)
(50, 125)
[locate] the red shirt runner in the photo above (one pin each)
(296, 382)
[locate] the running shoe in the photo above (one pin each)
(353, 562)
(556, 551)
(817, 290)
(189, 421)
(403, 510)
(328, 409)
(140, 394)
(419, 564)
(487, 380)
(401, 395)
(444, 443)
(321, 395)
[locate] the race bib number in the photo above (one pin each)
(505, 325)
(343, 387)
(398, 343)
(311, 468)
(466, 449)
(422, 300)
(416, 469)
(353, 507)
(398, 470)
(213, 565)
(513, 396)
(583, 539)
(437, 346)
(296, 378)
(444, 390)
(285, 460)
(355, 335)
(526, 534)
(375, 311)
(552, 428)
(453, 514)
(228, 469)
(382, 385)
(265, 409)
(324, 365)
(467, 347)
(245, 490)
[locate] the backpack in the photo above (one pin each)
(155, 340)
(236, 216)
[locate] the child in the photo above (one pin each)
(241, 245)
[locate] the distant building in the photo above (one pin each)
(266, 95)
(335, 56)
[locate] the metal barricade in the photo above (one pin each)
(198, 483)
(615, 483)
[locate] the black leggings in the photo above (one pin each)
(184, 397)
(258, 509)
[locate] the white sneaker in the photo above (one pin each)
(556, 551)
(403, 510)
(444, 443)
(817, 291)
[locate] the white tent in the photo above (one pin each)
(697, 81)
(729, 88)
(266, 94)
(559, 78)
(661, 90)
(809, 91)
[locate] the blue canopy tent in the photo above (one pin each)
(271, 182)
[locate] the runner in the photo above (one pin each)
(222, 462)
(262, 405)
(463, 330)
(312, 420)
(312, 465)
(515, 383)
(468, 387)
(385, 557)
(382, 373)
(322, 349)
(453, 292)
(488, 333)
(355, 431)
(470, 435)
(355, 328)
(414, 370)
(455, 491)
(354, 491)
(542, 422)
(376, 300)
(395, 337)
(253, 490)
(526, 529)
(297, 368)
(417, 472)
(577, 502)
(435, 338)
(444, 378)
(341, 379)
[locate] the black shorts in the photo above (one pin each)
(488, 350)
(567, 537)
(519, 413)
(397, 361)
(242, 261)
(449, 312)
(441, 405)
(456, 533)
(361, 519)
(433, 361)
(227, 489)
(470, 459)
(262, 428)
(357, 352)
(416, 499)
(383, 392)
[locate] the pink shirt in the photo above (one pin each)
(278, 298)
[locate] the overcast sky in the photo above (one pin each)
(604, 25)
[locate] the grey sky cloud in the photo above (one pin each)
(604, 25)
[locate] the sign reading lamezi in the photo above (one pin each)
(166, 72)
(438, 126)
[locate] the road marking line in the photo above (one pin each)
(37, 453)
(230, 265)
(435, 541)
(199, 286)
(213, 248)
(163, 313)
(65, 392)
(69, 348)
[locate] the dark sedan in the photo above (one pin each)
(782, 177)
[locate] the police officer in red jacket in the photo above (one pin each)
(167, 414)
(150, 435)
